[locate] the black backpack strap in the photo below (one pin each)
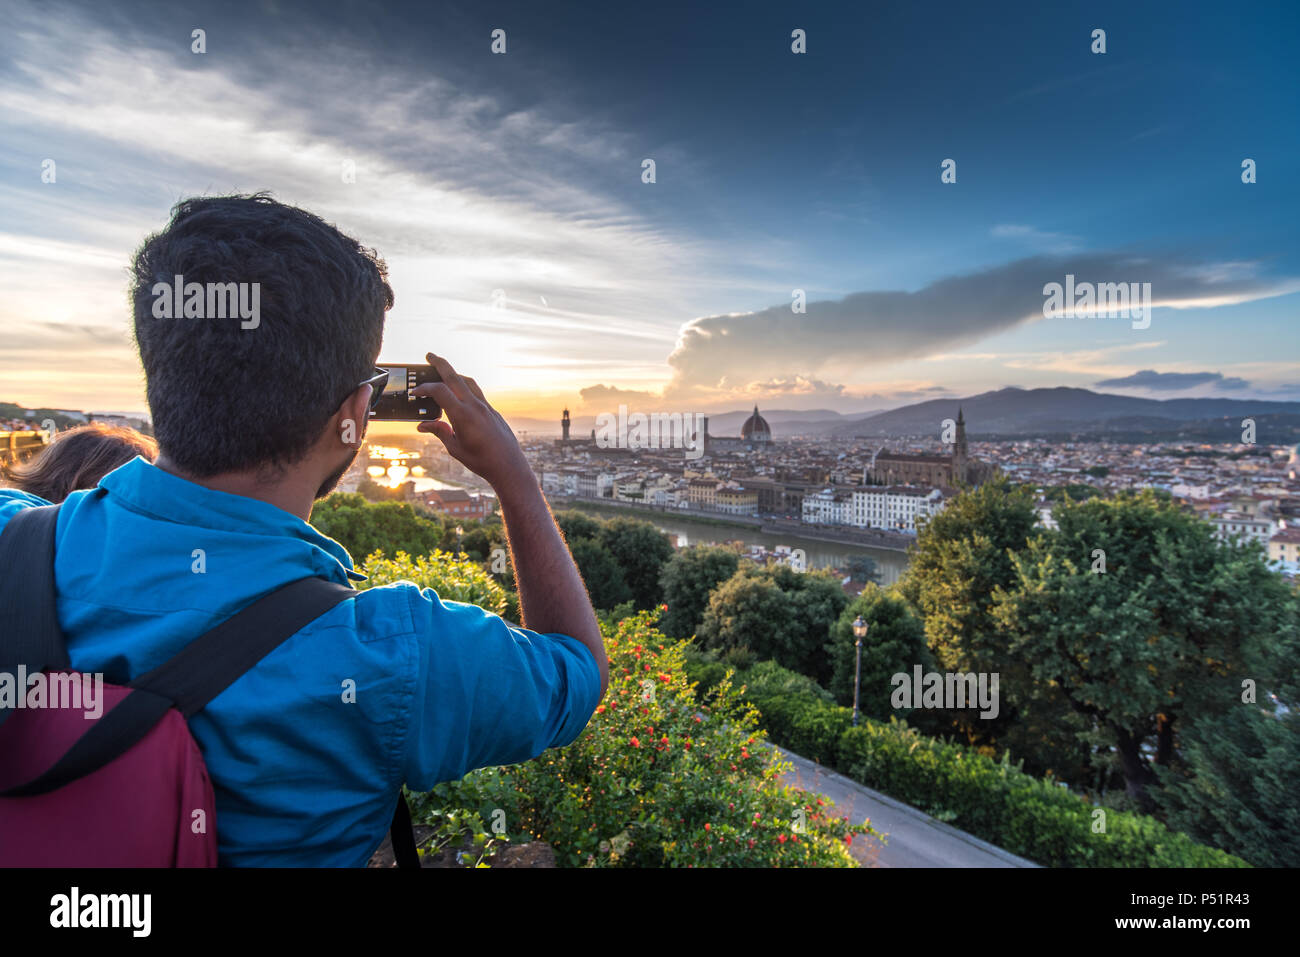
(193, 677)
(29, 625)
(216, 659)
(402, 835)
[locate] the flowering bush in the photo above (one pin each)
(454, 578)
(657, 779)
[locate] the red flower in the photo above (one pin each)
(663, 677)
(848, 839)
(634, 742)
(600, 709)
(780, 838)
(706, 825)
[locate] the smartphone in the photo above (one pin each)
(397, 404)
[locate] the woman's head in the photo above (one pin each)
(78, 458)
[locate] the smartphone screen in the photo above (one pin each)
(397, 404)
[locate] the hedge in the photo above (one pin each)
(996, 801)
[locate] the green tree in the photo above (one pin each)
(1162, 635)
(747, 611)
(961, 555)
(605, 583)
(576, 525)
(687, 579)
(478, 542)
(895, 643)
(363, 527)
(817, 599)
(1234, 785)
(641, 551)
(778, 614)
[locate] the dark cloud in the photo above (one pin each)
(1172, 381)
(881, 327)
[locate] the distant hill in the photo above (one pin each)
(1062, 410)
(783, 421)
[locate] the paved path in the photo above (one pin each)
(915, 839)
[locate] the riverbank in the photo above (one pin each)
(836, 535)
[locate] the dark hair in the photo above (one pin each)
(79, 458)
(226, 398)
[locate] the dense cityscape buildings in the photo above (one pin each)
(893, 486)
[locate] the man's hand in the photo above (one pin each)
(474, 433)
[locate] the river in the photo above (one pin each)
(686, 531)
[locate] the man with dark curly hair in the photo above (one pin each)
(254, 421)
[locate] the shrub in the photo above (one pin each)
(452, 578)
(659, 778)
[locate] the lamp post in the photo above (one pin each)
(859, 632)
(459, 532)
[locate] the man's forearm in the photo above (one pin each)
(552, 597)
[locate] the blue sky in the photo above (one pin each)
(774, 171)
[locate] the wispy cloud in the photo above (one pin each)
(1173, 381)
(473, 196)
(1036, 238)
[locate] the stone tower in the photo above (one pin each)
(564, 426)
(959, 464)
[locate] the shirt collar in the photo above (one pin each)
(145, 488)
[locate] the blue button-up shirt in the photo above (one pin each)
(305, 771)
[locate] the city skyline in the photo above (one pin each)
(506, 193)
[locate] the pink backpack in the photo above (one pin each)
(125, 786)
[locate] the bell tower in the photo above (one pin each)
(564, 426)
(959, 468)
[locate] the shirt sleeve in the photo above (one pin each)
(488, 694)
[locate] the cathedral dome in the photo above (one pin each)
(756, 429)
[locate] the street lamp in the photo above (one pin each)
(859, 632)
(459, 532)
